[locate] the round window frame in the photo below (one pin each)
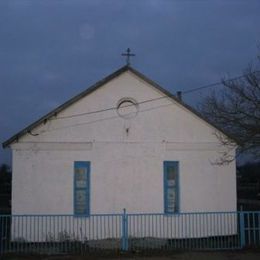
(128, 100)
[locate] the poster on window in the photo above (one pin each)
(81, 201)
(171, 199)
(171, 176)
(81, 177)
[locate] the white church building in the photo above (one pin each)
(124, 142)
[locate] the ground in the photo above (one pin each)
(220, 255)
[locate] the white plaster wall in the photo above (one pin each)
(162, 119)
(122, 176)
(126, 168)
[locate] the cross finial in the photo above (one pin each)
(128, 55)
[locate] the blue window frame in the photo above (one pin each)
(81, 188)
(171, 187)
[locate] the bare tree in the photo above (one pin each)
(236, 109)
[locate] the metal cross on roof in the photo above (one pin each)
(128, 55)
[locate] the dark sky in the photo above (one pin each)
(51, 50)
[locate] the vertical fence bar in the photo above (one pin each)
(124, 240)
(248, 228)
(242, 229)
(254, 228)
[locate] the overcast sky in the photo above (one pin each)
(51, 50)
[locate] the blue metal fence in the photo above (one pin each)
(69, 234)
(194, 231)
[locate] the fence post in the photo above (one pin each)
(124, 242)
(242, 229)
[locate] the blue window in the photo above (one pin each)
(171, 187)
(81, 188)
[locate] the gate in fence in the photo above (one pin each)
(70, 234)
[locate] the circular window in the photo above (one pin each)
(127, 108)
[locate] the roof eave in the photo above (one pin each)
(57, 110)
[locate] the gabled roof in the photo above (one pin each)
(94, 87)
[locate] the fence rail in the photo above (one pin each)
(70, 234)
